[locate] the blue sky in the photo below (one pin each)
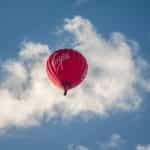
(38, 22)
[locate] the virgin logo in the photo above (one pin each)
(59, 61)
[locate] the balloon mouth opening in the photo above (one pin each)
(66, 85)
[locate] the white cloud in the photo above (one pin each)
(114, 75)
(77, 147)
(115, 68)
(143, 147)
(30, 50)
(114, 143)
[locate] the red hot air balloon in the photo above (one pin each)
(66, 68)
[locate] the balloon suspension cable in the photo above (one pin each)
(65, 92)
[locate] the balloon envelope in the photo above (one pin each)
(66, 68)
